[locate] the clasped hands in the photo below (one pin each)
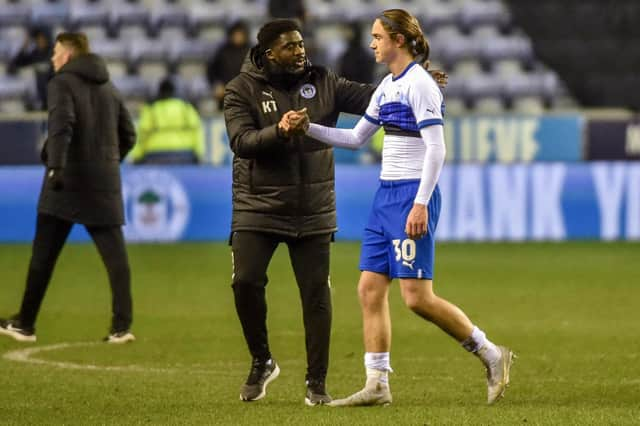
(294, 123)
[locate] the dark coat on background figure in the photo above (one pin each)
(90, 132)
(37, 54)
(357, 63)
(226, 63)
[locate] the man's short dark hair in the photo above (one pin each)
(40, 30)
(270, 32)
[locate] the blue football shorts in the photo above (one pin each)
(386, 248)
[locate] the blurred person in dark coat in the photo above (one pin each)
(357, 62)
(36, 51)
(225, 64)
(90, 132)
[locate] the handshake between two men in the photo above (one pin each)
(294, 123)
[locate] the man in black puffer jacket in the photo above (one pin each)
(90, 132)
(283, 192)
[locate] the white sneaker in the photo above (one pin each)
(498, 375)
(374, 393)
(120, 337)
(13, 328)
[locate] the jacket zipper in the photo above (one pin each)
(298, 140)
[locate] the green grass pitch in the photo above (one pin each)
(571, 312)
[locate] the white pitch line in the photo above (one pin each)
(27, 356)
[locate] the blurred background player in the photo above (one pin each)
(90, 132)
(399, 239)
(169, 130)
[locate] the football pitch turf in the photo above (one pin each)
(569, 310)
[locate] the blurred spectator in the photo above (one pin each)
(356, 63)
(169, 131)
(225, 64)
(316, 53)
(36, 50)
(289, 9)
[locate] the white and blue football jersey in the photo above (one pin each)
(403, 105)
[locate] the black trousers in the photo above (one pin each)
(252, 252)
(51, 234)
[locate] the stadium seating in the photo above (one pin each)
(440, 14)
(9, 45)
(52, 14)
(133, 87)
(86, 14)
(167, 15)
(15, 93)
(128, 14)
(202, 15)
(474, 13)
(592, 44)
(14, 14)
(492, 65)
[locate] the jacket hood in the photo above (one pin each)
(88, 67)
(252, 65)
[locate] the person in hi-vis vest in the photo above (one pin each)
(169, 131)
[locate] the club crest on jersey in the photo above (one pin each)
(308, 91)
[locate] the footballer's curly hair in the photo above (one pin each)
(399, 21)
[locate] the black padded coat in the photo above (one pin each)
(89, 132)
(285, 185)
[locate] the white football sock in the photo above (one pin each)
(378, 366)
(479, 345)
